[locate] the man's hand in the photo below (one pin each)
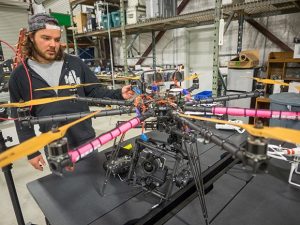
(37, 162)
(127, 93)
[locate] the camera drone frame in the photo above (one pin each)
(169, 110)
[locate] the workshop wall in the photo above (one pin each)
(62, 6)
(13, 16)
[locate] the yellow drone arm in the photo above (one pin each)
(277, 133)
(36, 143)
(36, 102)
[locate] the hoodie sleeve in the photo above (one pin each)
(24, 133)
(98, 91)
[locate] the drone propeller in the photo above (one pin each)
(36, 102)
(36, 143)
(270, 81)
(278, 133)
(62, 87)
(120, 78)
(132, 78)
(192, 77)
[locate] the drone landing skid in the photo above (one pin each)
(294, 169)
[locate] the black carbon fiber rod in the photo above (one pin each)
(71, 116)
(207, 134)
(96, 101)
(226, 98)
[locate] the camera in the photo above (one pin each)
(150, 170)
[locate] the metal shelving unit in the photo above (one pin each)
(252, 9)
(91, 2)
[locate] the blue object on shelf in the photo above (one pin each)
(203, 95)
(116, 18)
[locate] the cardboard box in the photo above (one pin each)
(81, 22)
(247, 59)
(133, 15)
(134, 3)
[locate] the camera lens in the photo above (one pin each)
(148, 167)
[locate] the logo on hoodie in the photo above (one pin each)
(71, 78)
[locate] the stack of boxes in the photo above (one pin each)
(161, 8)
(152, 8)
(168, 8)
(136, 11)
(81, 22)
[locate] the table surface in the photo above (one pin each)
(238, 197)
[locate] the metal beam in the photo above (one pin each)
(240, 33)
(160, 34)
(297, 4)
(182, 5)
(230, 18)
(124, 45)
(269, 35)
(149, 49)
(153, 50)
(218, 6)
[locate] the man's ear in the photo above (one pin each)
(31, 36)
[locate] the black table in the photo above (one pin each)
(237, 197)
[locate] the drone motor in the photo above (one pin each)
(58, 156)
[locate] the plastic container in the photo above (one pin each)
(203, 95)
(286, 102)
(105, 21)
(116, 18)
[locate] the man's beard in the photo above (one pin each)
(44, 55)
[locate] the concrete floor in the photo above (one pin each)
(24, 173)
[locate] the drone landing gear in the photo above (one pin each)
(10, 184)
(294, 169)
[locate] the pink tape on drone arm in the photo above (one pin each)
(256, 113)
(89, 147)
(290, 115)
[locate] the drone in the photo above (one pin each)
(148, 163)
(290, 155)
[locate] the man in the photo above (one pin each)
(49, 66)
